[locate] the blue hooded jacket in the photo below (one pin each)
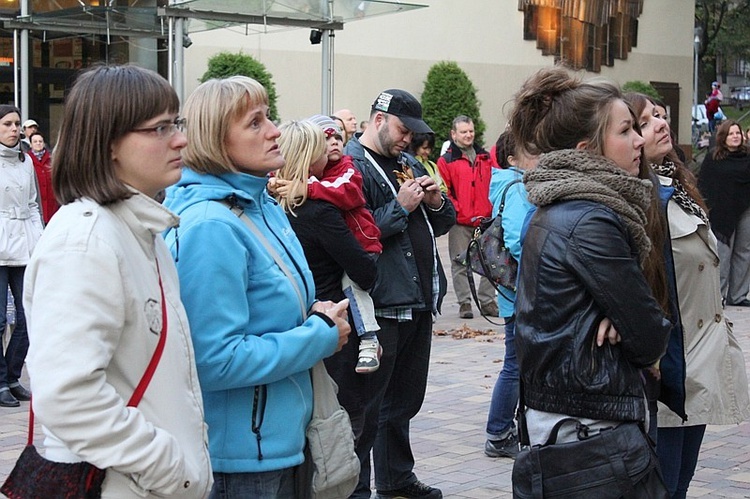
(517, 206)
(246, 321)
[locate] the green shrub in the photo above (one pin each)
(448, 92)
(225, 64)
(641, 88)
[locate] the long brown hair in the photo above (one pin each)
(682, 174)
(555, 110)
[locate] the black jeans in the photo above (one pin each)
(381, 404)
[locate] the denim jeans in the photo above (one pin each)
(678, 450)
(11, 363)
(505, 394)
(263, 485)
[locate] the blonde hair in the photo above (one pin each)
(301, 143)
(209, 111)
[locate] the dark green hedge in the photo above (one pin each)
(448, 92)
(225, 64)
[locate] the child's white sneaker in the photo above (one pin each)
(369, 356)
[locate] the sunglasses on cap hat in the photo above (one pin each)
(331, 132)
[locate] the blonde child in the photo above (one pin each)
(324, 173)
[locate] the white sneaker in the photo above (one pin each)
(369, 356)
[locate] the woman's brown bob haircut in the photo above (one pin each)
(105, 104)
(209, 111)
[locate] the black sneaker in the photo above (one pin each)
(507, 447)
(416, 489)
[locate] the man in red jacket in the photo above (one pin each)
(466, 169)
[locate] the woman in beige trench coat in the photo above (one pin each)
(704, 349)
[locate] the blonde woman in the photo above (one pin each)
(330, 176)
(255, 345)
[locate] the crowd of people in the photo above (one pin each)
(237, 254)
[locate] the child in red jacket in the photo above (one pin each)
(341, 185)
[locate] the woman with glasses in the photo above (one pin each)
(102, 295)
(257, 329)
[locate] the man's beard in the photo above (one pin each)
(386, 143)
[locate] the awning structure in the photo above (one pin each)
(175, 19)
(326, 16)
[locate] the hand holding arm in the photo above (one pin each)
(338, 314)
(283, 187)
(607, 331)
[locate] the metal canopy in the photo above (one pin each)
(323, 15)
(304, 13)
(139, 22)
(142, 18)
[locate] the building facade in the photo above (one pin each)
(485, 37)
(497, 43)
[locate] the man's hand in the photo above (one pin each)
(432, 196)
(410, 195)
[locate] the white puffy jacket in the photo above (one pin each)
(93, 305)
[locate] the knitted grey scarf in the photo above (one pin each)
(577, 174)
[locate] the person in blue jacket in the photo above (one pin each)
(502, 438)
(254, 340)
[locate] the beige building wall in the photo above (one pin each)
(485, 37)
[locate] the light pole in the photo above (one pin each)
(698, 31)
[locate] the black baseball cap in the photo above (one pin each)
(402, 104)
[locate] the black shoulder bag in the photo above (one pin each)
(488, 256)
(612, 463)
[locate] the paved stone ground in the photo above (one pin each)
(448, 434)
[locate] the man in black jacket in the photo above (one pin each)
(410, 211)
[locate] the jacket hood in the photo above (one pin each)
(196, 187)
(454, 152)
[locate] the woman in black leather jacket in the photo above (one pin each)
(586, 317)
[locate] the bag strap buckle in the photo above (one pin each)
(582, 431)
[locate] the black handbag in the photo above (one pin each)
(35, 477)
(488, 256)
(613, 463)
